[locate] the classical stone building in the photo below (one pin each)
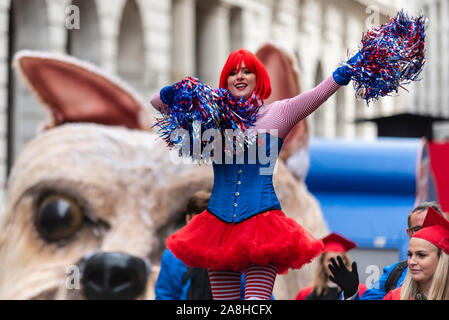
(152, 43)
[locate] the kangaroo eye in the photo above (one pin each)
(58, 218)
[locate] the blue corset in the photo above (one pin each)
(244, 188)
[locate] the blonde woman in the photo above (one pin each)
(428, 263)
(322, 288)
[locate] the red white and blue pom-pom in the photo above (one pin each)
(196, 108)
(391, 56)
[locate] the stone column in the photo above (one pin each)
(411, 98)
(31, 31)
(422, 85)
(56, 24)
(354, 30)
(256, 26)
(183, 39)
(333, 31)
(110, 14)
(84, 42)
(309, 42)
(309, 48)
(284, 20)
(157, 20)
(4, 17)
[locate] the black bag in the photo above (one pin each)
(199, 285)
(394, 276)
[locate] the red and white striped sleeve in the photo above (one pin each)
(283, 115)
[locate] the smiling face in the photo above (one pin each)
(422, 261)
(241, 83)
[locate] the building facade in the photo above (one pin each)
(153, 43)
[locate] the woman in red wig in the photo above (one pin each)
(243, 228)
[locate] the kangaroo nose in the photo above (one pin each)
(114, 275)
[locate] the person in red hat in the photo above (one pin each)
(428, 263)
(322, 288)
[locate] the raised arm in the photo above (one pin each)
(157, 103)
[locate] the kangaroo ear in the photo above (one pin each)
(77, 91)
(284, 77)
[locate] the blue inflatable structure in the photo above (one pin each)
(367, 188)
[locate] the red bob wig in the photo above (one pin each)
(235, 59)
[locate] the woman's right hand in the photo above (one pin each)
(167, 94)
(347, 280)
(342, 75)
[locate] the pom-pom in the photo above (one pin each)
(391, 56)
(197, 108)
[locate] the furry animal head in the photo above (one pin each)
(92, 198)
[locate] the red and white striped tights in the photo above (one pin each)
(259, 281)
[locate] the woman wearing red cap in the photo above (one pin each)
(428, 262)
(322, 288)
(243, 228)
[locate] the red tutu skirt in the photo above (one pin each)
(267, 238)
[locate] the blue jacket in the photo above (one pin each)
(169, 284)
(377, 289)
(245, 189)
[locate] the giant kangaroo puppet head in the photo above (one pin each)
(92, 198)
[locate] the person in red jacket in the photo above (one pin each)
(428, 262)
(322, 288)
